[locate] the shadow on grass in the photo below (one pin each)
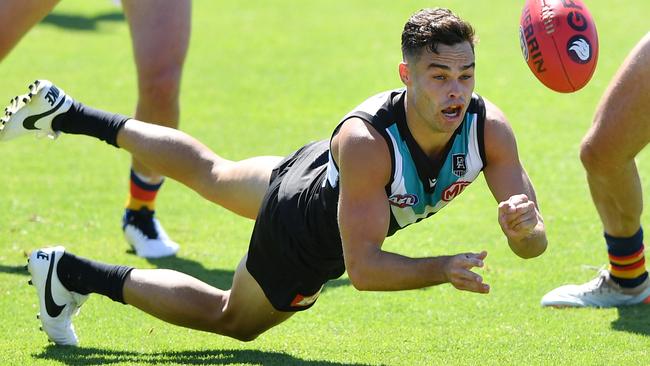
(80, 22)
(633, 319)
(97, 356)
(216, 277)
(16, 269)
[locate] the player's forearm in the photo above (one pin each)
(385, 271)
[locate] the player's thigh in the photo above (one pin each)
(160, 32)
(18, 17)
(621, 125)
(241, 186)
(249, 312)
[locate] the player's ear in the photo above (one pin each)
(404, 74)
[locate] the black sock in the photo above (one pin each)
(84, 120)
(86, 276)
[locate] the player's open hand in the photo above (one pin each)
(459, 274)
(518, 216)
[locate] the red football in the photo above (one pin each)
(559, 42)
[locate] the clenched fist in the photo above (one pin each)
(518, 217)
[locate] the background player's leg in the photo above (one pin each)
(243, 312)
(160, 32)
(18, 17)
(237, 186)
(621, 129)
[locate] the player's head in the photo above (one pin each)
(428, 28)
(437, 68)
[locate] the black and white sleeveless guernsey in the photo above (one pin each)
(307, 184)
(419, 187)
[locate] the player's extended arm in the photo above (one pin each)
(364, 167)
(518, 213)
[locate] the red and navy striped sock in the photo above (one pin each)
(142, 195)
(627, 259)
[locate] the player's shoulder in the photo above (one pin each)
(358, 134)
(498, 134)
(359, 145)
(494, 116)
(496, 122)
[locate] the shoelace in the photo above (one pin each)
(600, 284)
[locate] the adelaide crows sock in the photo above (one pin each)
(627, 259)
(84, 120)
(86, 276)
(142, 193)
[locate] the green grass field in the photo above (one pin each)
(263, 77)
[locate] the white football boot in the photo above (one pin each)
(33, 112)
(57, 304)
(146, 236)
(601, 292)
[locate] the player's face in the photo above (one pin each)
(440, 85)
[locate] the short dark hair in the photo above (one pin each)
(430, 27)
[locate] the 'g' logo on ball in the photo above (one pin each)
(579, 49)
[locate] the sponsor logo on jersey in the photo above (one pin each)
(579, 49)
(458, 162)
(403, 200)
(432, 182)
(453, 190)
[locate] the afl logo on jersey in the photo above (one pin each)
(453, 190)
(459, 166)
(403, 200)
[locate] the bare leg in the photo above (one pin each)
(19, 16)
(242, 312)
(621, 129)
(160, 31)
(237, 186)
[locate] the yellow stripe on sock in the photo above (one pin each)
(620, 262)
(627, 274)
(136, 204)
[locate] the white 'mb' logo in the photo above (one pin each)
(581, 49)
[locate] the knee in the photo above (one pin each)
(589, 156)
(600, 159)
(160, 83)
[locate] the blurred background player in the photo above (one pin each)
(621, 129)
(160, 32)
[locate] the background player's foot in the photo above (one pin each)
(145, 234)
(600, 292)
(33, 112)
(57, 304)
